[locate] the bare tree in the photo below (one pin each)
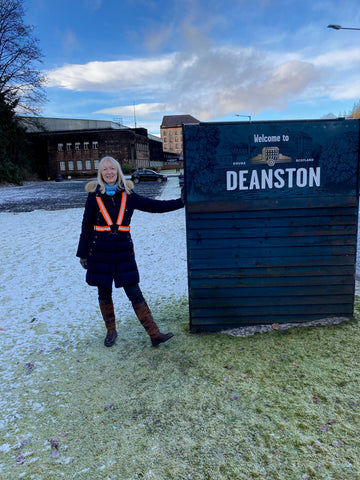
(20, 79)
(355, 112)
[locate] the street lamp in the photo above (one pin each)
(248, 116)
(339, 27)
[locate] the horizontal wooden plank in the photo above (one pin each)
(314, 222)
(288, 310)
(251, 256)
(308, 214)
(241, 247)
(202, 260)
(271, 282)
(265, 232)
(292, 292)
(214, 271)
(263, 251)
(271, 302)
(332, 201)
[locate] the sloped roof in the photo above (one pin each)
(175, 120)
(40, 124)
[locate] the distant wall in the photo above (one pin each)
(172, 166)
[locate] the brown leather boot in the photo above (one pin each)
(147, 321)
(107, 311)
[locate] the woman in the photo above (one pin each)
(106, 249)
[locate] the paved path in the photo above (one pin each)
(57, 195)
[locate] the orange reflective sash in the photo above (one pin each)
(107, 217)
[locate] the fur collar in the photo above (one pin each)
(91, 186)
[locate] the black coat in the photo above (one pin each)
(110, 256)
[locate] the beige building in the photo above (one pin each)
(171, 132)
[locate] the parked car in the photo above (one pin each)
(146, 175)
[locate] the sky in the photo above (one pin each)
(135, 61)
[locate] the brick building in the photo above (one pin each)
(72, 147)
(171, 132)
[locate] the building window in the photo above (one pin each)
(95, 145)
(86, 145)
(68, 147)
(88, 164)
(96, 164)
(62, 166)
(60, 147)
(71, 165)
(79, 165)
(142, 147)
(77, 145)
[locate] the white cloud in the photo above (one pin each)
(213, 82)
(346, 91)
(116, 75)
(144, 109)
(339, 59)
(223, 81)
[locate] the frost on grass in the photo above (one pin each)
(282, 405)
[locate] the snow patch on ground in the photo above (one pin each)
(44, 295)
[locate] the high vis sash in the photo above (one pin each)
(110, 226)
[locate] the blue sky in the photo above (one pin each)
(136, 61)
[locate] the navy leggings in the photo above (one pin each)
(132, 291)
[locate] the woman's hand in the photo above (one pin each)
(83, 262)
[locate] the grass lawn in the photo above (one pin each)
(284, 405)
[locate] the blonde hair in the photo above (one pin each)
(121, 182)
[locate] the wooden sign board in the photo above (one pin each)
(271, 221)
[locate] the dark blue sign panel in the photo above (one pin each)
(271, 221)
(271, 159)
